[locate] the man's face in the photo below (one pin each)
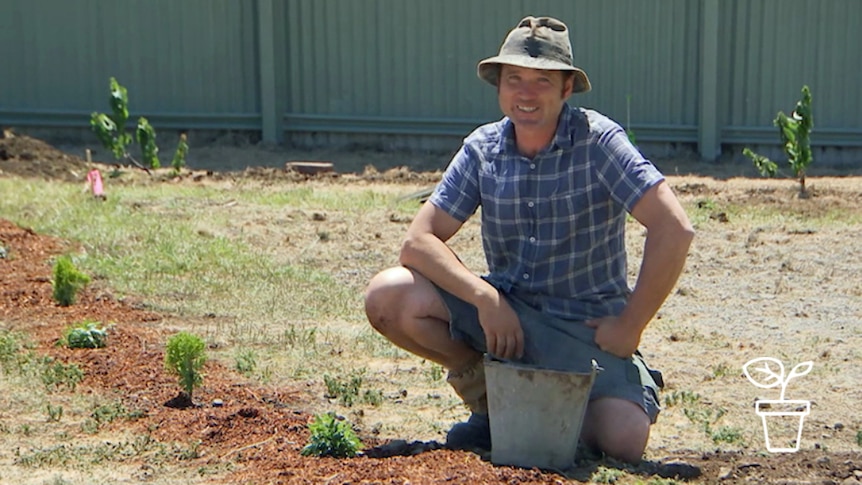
(532, 98)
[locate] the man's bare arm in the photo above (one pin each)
(425, 250)
(669, 236)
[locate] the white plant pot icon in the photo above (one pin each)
(781, 417)
(778, 415)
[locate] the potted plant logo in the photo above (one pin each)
(781, 414)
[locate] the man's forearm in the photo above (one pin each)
(431, 257)
(664, 256)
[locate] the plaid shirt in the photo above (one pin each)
(553, 228)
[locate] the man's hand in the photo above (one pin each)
(615, 336)
(504, 336)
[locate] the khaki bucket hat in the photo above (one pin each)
(536, 43)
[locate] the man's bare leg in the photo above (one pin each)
(407, 309)
(617, 427)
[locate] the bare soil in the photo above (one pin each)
(261, 431)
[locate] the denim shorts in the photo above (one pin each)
(565, 345)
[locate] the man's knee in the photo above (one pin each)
(618, 428)
(384, 291)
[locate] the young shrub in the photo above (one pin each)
(795, 133)
(85, 335)
(331, 437)
(67, 281)
(185, 357)
(146, 136)
(179, 160)
(110, 129)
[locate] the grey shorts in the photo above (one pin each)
(554, 343)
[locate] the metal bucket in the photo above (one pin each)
(536, 414)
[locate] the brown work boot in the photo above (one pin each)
(475, 433)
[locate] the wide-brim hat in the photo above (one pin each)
(536, 43)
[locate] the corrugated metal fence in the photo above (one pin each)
(692, 71)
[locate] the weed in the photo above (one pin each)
(84, 335)
(300, 338)
(191, 452)
(185, 357)
(245, 362)
(373, 397)
(55, 413)
(434, 373)
(331, 437)
(25, 429)
(57, 374)
(681, 397)
(859, 437)
(346, 391)
(107, 413)
(706, 204)
(727, 434)
(707, 418)
(9, 349)
(607, 475)
(67, 281)
(721, 370)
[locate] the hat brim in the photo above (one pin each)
(487, 69)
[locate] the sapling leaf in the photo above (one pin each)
(771, 379)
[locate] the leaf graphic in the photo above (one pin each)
(770, 378)
(800, 370)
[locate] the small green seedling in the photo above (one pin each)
(795, 132)
(331, 437)
(185, 357)
(67, 281)
(85, 335)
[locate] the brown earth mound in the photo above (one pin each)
(29, 157)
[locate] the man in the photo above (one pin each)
(555, 184)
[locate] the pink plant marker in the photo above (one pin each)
(94, 178)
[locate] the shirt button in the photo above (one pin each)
(532, 239)
(532, 166)
(526, 276)
(530, 204)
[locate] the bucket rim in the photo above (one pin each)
(594, 369)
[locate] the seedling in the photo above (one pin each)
(331, 436)
(795, 131)
(67, 281)
(185, 357)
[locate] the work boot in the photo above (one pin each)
(469, 384)
(475, 433)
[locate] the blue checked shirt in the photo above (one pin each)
(553, 228)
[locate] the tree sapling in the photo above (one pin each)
(185, 357)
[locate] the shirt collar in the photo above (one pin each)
(568, 125)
